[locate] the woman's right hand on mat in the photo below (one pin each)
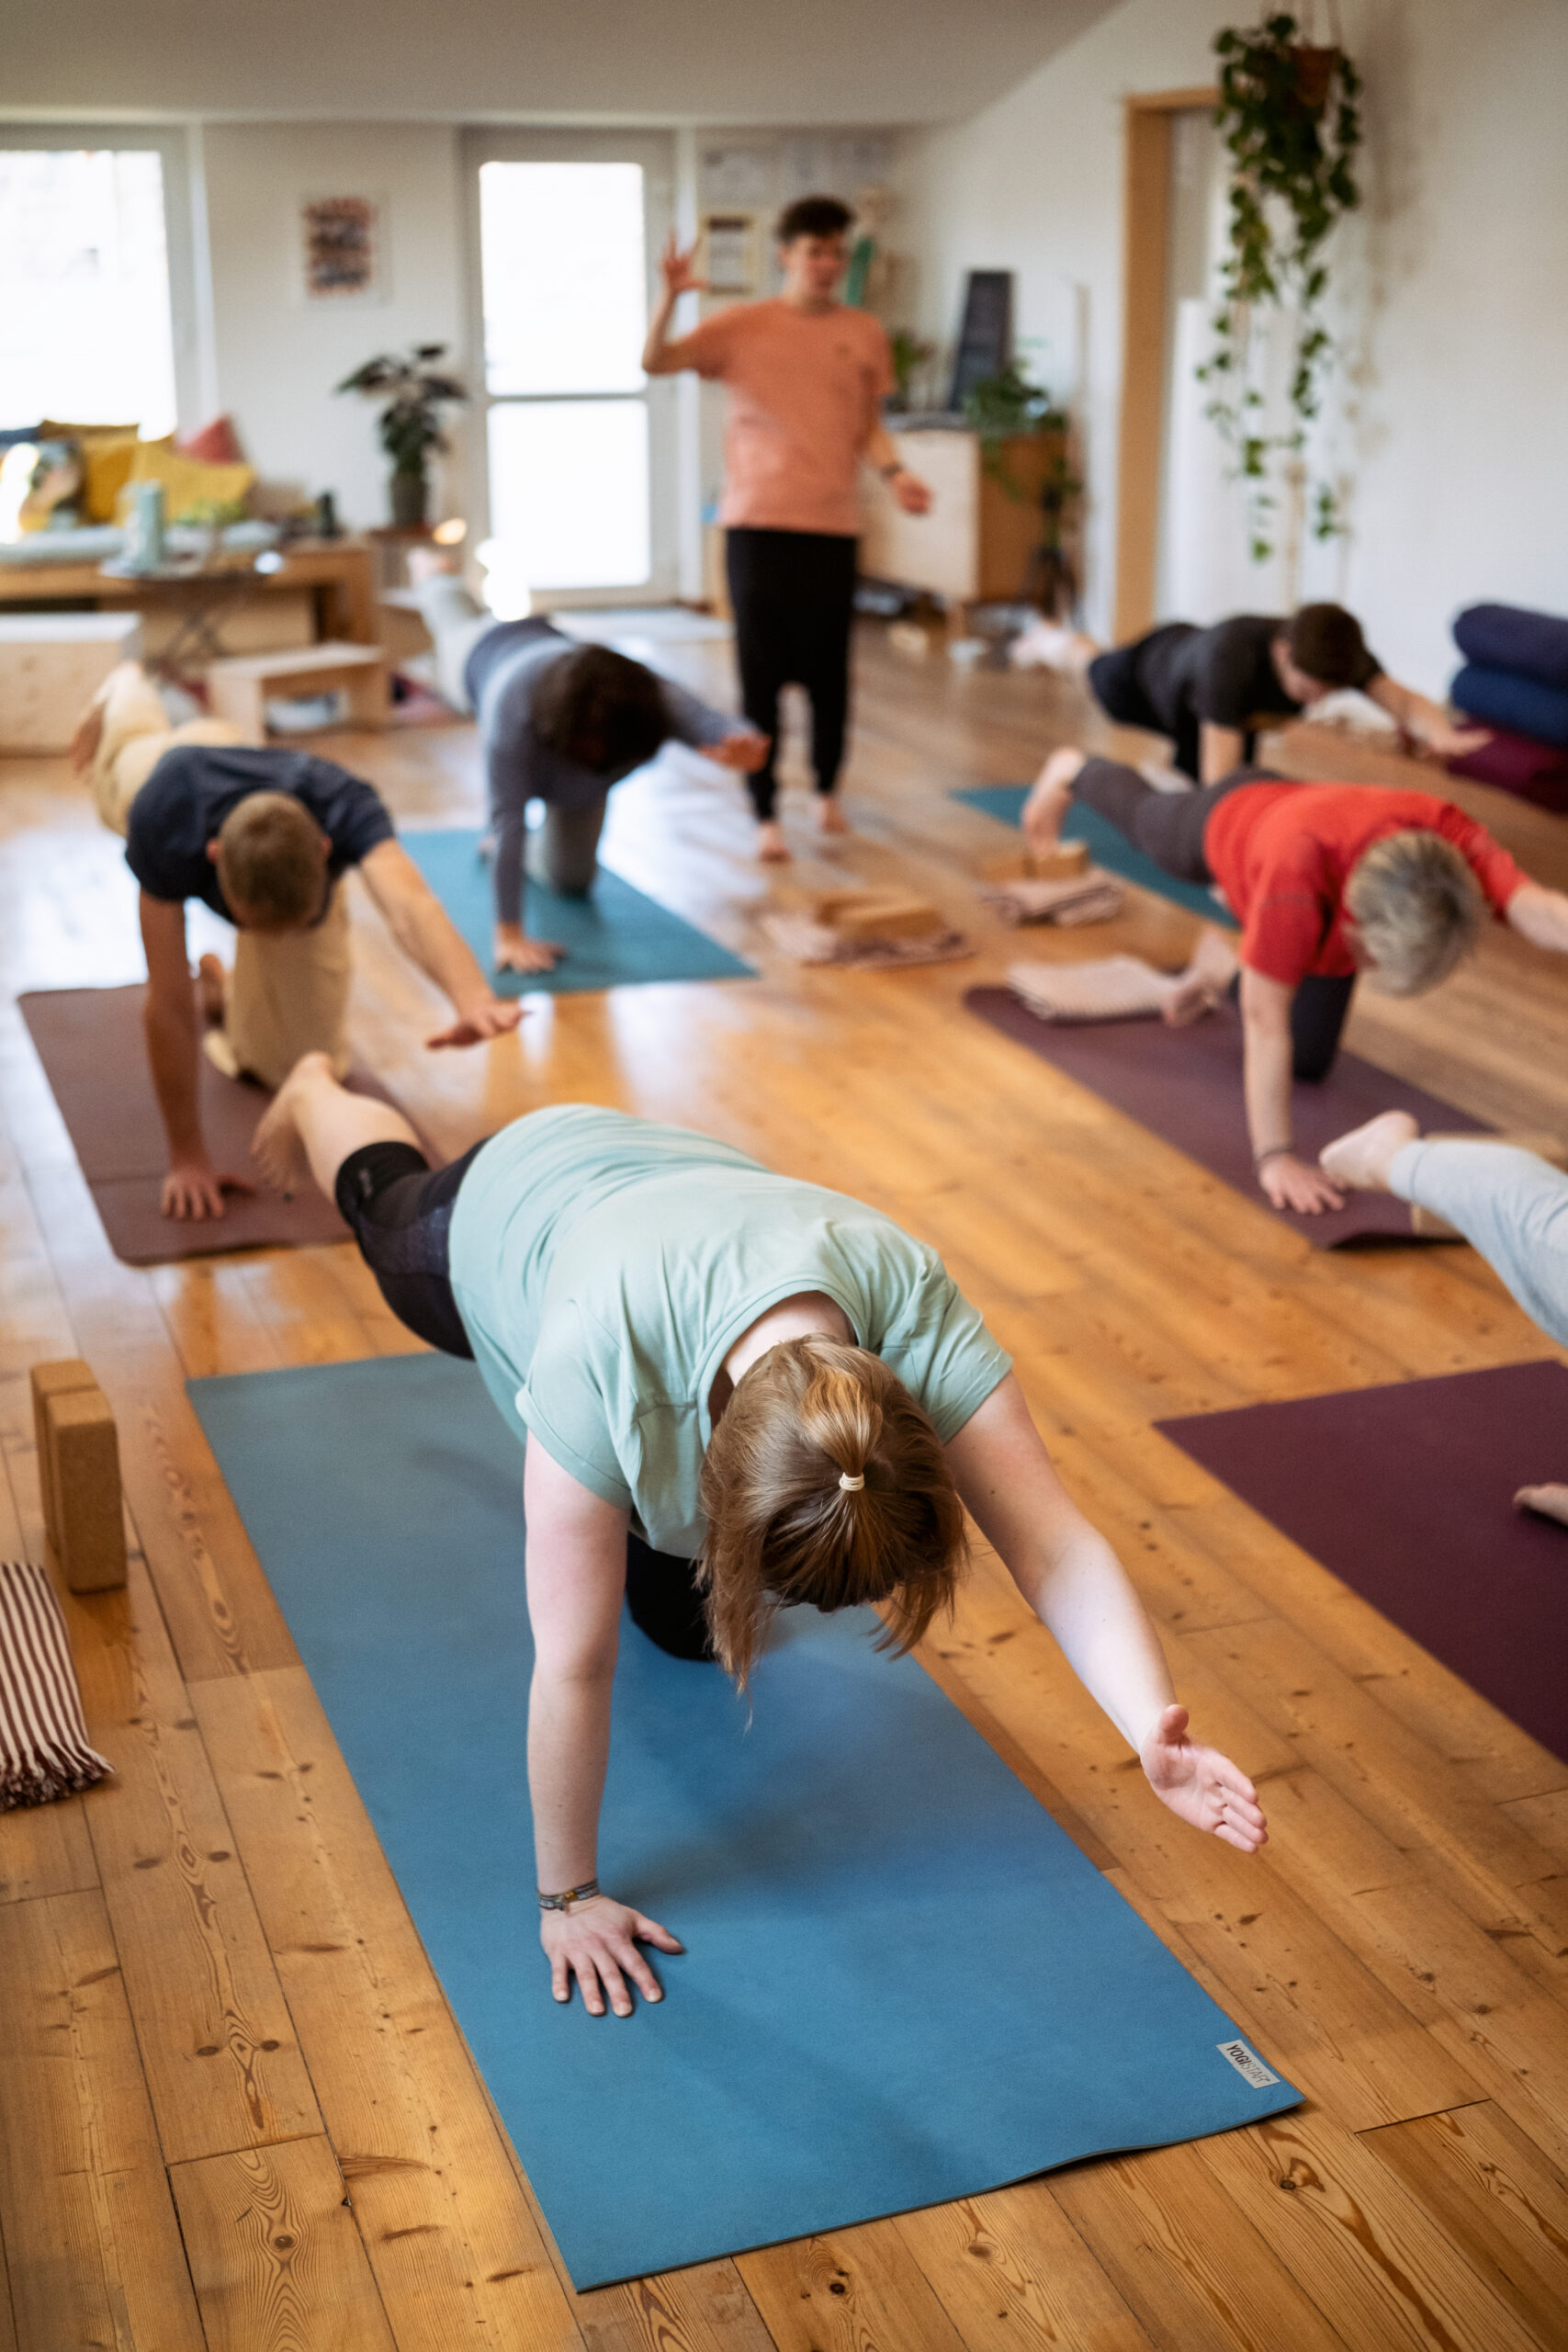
(195, 1188)
(1293, 1184)
(597, 1942)
(1201, 1785)
(515, 952)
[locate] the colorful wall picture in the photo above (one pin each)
(341, 248)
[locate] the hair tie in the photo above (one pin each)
(851, 1483)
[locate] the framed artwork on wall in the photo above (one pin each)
(340, 249)
(729, 257)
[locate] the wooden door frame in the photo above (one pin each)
(1146, 263)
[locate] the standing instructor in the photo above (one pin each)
(806, 377)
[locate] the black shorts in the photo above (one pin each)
(398, 1209)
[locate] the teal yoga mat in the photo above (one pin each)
(614, 938)
(1107, 847)
(903, 1982)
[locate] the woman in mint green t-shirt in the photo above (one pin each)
(737, 1393)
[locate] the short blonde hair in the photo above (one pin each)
(781, 1527)
(1414, 899)
(270, 862)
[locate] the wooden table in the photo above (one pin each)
(337, 573)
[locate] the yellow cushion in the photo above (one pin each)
(106, 452)
(187, 482)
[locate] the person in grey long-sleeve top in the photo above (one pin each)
(561, 722)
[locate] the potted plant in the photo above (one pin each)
(1006, 407)
(415, 392)
(1291, 128)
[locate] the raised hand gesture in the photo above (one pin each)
(676, 269)
(1201, 1785)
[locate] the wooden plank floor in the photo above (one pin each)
(234, 2109)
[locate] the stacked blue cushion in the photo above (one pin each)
(1516, 673)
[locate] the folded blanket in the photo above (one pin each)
(1499, 699)
(805, 942)
(1085, 898)
(1510, 638)
(1113, 988)
(43, 1738)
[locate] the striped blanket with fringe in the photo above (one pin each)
(43, 1736)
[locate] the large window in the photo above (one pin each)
(86, 328)
(575, 455)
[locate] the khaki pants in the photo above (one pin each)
(288, 993)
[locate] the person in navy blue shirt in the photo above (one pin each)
(263, 836)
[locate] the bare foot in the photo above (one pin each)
(1362, 1159)
(1192, 997)
(772, 846)
(211, 983)
(85, 740)
(831, 818)
(1549, 1502)
(1045, 811)
(276, 1145)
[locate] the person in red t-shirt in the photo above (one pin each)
(1326, 880)
(807, 376)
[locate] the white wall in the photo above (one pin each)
(1456, 274)
(275, 357)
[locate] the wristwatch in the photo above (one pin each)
(888, 472)
(573, 1894)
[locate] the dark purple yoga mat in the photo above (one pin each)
(1186, 1085)
(91, 1044)
(1406, 1493)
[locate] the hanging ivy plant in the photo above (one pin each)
(1291, 128)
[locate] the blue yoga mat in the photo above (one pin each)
(1106, 847)
(903, 1982)
(614, 938)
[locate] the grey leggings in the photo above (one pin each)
(1512, 1206)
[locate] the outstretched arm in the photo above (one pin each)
(577, 1575)
(1426, 721)
(193, 1187)
(1540, 916)
(1078, 1588)
(428, 935)
(660, 356)
(1268, 1053)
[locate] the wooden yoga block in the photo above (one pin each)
(52, 664)
(875, 914)
(78, 1453)
(1064, 863)
(1428, 1226)
(239, 688)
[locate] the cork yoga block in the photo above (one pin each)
(1427, 1225)
(875, 914)
(78, 1449)
(1064, 863)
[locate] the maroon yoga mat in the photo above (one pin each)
(1406, 1493)
(90, 1043)
(1186, 1085)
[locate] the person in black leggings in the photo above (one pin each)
(398, 1210)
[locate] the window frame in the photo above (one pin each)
(184, 237)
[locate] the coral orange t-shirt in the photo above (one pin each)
(805, 392)
(1282, 853)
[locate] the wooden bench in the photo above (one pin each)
(240, 687)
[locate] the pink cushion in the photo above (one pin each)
(1537, 771)
(217, 444)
